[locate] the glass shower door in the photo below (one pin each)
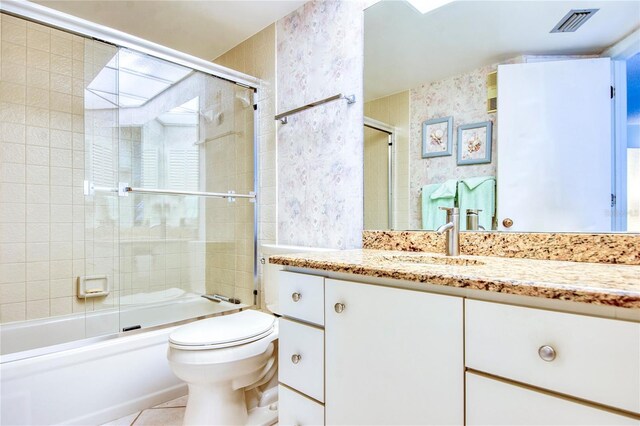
(82, 256)
(182, 136)
(171, 176)
(227, 146)
(97, 292)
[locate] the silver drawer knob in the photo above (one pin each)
(295, 358)
(339, 307)
(296, 296)
(547, 353)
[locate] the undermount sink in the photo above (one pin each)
(433, 260)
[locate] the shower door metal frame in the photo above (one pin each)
(72, 24)
(391, 132)
(256, 204)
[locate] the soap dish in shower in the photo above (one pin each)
(93, 286)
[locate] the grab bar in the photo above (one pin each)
(283, 116)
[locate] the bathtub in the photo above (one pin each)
(96, 379)
(19, 338)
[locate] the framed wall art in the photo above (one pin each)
(474, 143)
(437, 137)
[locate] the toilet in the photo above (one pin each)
(229, 362)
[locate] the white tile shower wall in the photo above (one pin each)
(320, 151)
(49, 232)
(256, 56)
(42, 209)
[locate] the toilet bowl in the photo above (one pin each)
(222, 359)
(229, 362)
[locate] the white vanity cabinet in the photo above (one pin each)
(594, 359)
(392, 356)
(353, 353)
(387, 355)
(533, 366)
(301, 349)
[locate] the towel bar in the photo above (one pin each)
(283, 116)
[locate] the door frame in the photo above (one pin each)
(391, 132)
(619, 53)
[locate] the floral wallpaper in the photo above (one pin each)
(463, 97)
(320, 151)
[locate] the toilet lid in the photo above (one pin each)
(238, 327)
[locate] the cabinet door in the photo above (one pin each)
(392, 356)
(595, 359)
(305, 374)
(492, 402)
(296, 409)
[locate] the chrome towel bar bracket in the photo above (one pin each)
(351, 99)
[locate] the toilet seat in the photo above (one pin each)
(223, 331)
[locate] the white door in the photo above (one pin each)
(554, 146)
(392, 356)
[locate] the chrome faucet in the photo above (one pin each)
(452, 228)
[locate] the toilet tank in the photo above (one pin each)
(270, 272)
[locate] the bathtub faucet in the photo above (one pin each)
(219, 298)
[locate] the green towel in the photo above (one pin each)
(433, 197)
(477, 193)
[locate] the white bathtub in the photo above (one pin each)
(90, 382)
(27, 335)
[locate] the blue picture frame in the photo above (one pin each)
(430, 144)
(466, 135)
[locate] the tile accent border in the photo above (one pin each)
(592, 248)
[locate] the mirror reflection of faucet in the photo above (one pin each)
(472, 220)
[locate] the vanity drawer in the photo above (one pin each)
(595, 359)
(301, 358)
(301, 296)
(494, 402)
(296, 409)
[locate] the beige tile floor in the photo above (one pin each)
(166, 414)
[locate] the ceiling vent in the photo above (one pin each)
(573, 20)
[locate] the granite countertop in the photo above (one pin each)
(601, 284)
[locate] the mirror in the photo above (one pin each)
(524, 114)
